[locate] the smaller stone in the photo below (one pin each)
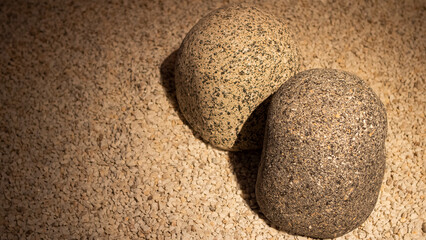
(424, 227)
(227, 66)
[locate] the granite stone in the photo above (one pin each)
(229, 63)
(323, 158)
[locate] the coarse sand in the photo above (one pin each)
(92, 145)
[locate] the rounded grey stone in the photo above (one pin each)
(324, 154)
(229, 63)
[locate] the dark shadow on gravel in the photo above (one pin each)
(167, 71)
(245, 165)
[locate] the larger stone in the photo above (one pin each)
(229, 63)
(324, 154)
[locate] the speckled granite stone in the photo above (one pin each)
(228, 64)
(324, 154)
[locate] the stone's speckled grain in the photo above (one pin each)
(229, 63)
(324, 154)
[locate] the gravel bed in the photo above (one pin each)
(92, 145)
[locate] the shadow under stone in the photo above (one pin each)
(167, 71)
(245, 166)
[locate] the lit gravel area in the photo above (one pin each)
(92, 144)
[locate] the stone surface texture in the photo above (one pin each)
(324, 154)
(230, 62)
